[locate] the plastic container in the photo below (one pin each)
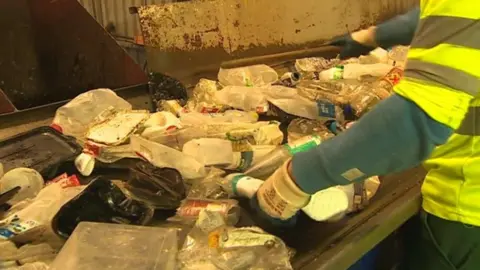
(29, 181)
(41, 149)
(119, 247)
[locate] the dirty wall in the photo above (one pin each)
(179, 35)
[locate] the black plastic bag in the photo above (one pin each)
(100, 201)
(162, 188)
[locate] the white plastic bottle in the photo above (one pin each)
(241, 185)
(220, 153)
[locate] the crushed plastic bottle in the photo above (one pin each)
(265, 167)
(355, 71)
(257, 75)
(221, 153)
(204, 100)
(366, 96)
(301, 127)
(229, 116)
(244, 98)
(259, 133)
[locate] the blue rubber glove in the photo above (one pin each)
(394, 136)
(397, 31)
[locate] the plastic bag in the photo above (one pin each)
(165, 157)
(100, 201)
(257, 75)
(162, 188)
(30, 220)
(74, 118)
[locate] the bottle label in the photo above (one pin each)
(17, 226)
(304, 144)
(337, 73)
(326, 109)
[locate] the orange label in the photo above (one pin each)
(214, 239)
(394, 76)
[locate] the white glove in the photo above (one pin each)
(280, 197)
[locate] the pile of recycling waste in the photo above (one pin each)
(108, 186)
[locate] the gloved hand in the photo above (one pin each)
(358, 43)
(279, 199)
(396, 31)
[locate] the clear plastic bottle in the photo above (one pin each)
(366, 96)
(267, 165)
(301, 127)
(229, 116)
(355, 71)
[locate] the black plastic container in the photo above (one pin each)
(42, 149)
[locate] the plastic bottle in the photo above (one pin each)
(241, 185)
(219, 152)
(289, 79)
(257, 75)
(355, 71)
(244, 98)
(301, 127)
(267, 165)
(229, 116)
(366, 96)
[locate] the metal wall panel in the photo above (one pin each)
(116, 12)
(126, 25)
(180, 35)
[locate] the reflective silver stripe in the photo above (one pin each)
(471, 123)
(434, 30)
(442, 76)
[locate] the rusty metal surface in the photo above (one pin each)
(54, 50)
(115, 12)
(196, 35)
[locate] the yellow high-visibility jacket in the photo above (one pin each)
(442, 76)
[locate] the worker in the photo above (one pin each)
(432, 117)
